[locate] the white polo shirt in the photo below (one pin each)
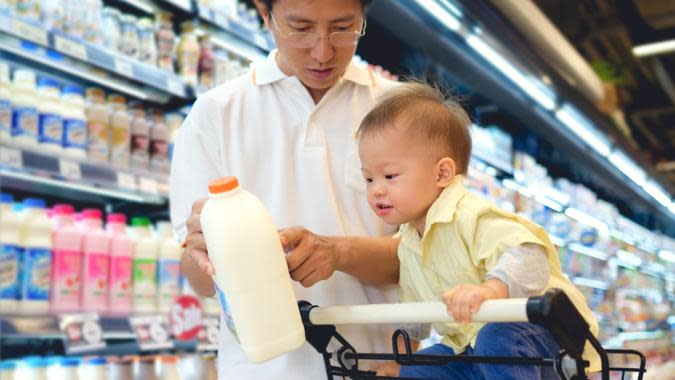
(301, 160)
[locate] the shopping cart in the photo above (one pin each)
(553, 311)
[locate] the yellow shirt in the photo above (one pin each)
(464, 238)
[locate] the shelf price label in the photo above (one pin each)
(82, 332)
(30, 32)
(126, 181)
(11, 157)
(70, 47)
(207, 339)
(148, 185)
(151, 332)
(123, 67)
(70, 169)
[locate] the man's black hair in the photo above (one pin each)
(364, 3)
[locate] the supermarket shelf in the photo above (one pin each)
(591, 283)
(594, 253)
(255, 38)
(151, 7)
(85, 61)
(28, 169)
(619, 340)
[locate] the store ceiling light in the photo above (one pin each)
(441, 13)
(628, 167)
(654, 48)
(452, 8)
(582, 217)
(581, 127)
(657, 192)
(532, 86)
(667, 256)
(672, 207)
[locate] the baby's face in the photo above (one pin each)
(400, 175)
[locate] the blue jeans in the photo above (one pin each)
(494, 339)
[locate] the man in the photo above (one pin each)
(286, 130)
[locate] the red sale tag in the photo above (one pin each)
(185, 318)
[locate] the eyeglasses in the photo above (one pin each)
(305, 40)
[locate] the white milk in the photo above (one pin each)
(36, 238)
(10, 255)
(252, 279)
(168, 267)
(144, 266)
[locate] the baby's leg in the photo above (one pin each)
(453, 370)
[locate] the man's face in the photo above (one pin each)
(321, 66)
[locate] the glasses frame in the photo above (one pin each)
(287, 36)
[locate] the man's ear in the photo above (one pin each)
(445, 171)
(263, 11)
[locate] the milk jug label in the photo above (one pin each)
(227, 315)
(50, 129)
(67, 283)
(96, 277)
(145, 275)
(9, 271)
(36, 274)
(74, 133)
(25, 122)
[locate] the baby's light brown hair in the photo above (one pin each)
(427, 111)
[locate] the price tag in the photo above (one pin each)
(259, 40)
(71, 48)
(123, 67)
(69, 169)
(151, 332)
(207, 340)
(175, 87)
(30, 32)
(185, 318)
(82, 332)
(11, 157)
(126, 181)
(148, 185)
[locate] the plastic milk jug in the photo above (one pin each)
(67, 260)
(36, 265)
(144, 266)
(10, 255)
(250, 266)
(168, 267)
(95, 263)
(120, 299)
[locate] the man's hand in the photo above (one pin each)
(311, 258)
(195, 245)
(391, 369)
(462, 301)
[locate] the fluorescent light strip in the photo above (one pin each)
(83, 188)
(441, 14)
(142, 5)
(596, 284)
(452, 8)
(671, 207)
(529, 85)
(553, 205)
(667, 256)
(628, 258)
(657, 193)
(586, 219)
(582, 128)
(578, 248)
(233, 48)
(628, 167)
(654, 48)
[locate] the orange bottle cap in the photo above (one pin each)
(223, 184)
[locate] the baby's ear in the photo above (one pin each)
(445, 171)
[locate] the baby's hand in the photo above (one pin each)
(464, 300)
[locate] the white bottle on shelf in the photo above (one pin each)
(36, 238)
(144, 266)
(50, 121)
(10, 255)
(168, 267)
(74, 122)
(5, 103)
(24, 129)
(241, 281)
(34, 368)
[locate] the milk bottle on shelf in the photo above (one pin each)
(244, 246)
(67, 260)
(144, 266)
(98, 126)
(50, 120)
(168, 267)
(95, 263)
(74, 122)
(5, 103)
(24, 129)
(10, 255)
(120, 131)
(36, 238)
(120, 299)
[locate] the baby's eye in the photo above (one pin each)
(369, 180)
(390, 176)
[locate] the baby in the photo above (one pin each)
(454, 246)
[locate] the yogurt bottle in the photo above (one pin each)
(10, 255)
(34, 368)
(120, 131)
(95, 263)
(36, 238)
(94, 368)
(24, 131)
(241, 281)
(5, 103)
(98, 126)
(144, 266)
(67, 260)
(50, 121)
(66, 369)
(120, 299)
(168, 267)
(74, 122)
